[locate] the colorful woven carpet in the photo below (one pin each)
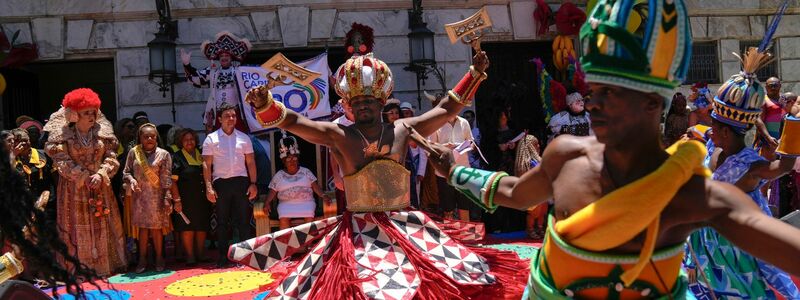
(190, 283)
(206, 282)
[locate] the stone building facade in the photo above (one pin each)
(69, 30)
(731, 24)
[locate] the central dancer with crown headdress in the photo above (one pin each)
(377, 249)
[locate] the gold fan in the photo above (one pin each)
(469, 30)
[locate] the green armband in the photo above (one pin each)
(478, 185)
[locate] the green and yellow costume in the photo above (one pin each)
(574, 261)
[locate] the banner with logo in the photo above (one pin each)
(310, 101)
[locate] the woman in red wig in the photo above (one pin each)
(83, 148)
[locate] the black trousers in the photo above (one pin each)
(450, 199)
(787, 193)
(233, 211)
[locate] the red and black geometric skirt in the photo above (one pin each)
(382, 255)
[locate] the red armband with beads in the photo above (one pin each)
(271, 115)
(465, 90)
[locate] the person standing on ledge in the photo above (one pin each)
(230, 51)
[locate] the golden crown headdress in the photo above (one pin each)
(364, 75)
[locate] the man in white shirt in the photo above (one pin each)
(453, 134)
(229, 170)
(338, 181)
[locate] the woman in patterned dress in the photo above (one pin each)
(148, 172)
(677, 120)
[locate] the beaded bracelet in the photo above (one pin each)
(478, 185)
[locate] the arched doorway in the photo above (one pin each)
(37, 89)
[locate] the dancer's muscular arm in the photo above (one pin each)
(451, 104)
(774, 169)
(272, 113)
(524, 192)
(738, 218)
(765, 170)
(536, 185)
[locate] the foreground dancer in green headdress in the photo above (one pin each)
(624, 206)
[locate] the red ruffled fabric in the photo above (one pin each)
(558, 95)
(338, 279)
(542, 15)
(569, 19)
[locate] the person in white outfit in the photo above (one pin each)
(452, 134)
(294, 186)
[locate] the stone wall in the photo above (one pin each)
(120, 29)
(728, 22)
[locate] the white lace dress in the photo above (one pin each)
(295, 196)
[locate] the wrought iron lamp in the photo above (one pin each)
(421, 49)
(163, 71)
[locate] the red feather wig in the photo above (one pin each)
(542, 16)
(81, 98)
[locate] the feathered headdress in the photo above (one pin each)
(569, 19)
(367, 39)
(577, 77)
(226, 42)
(288, 149)
(543, 80)
(738, 101)
(559, 98)
(542, 15)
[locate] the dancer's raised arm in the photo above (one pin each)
(740, 220)
(271, 113)
(455, 100)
